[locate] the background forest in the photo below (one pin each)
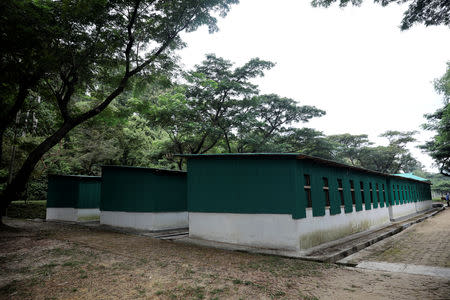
(214, 108)
(92, 83)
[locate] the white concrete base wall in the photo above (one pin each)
(70, 213)
(410, 208)
(275, 231)
(313, 231)
(146, 221)
(280, 231)
(424, 205)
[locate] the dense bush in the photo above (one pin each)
(29, 210)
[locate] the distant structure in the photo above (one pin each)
(276, 201)
(143, 198)
(73, 198)
(293, 201)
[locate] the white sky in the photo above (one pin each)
(354, 63)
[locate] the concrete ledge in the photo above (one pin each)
(145, 220)
(406, 268)
(334, 251)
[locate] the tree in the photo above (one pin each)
(263, 123)
(308, 141)
(200, 113)
(428, 12)
(439, 121)
(218, 109)
(349, 147)
(392, 158)
(92, 42)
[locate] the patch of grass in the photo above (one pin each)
(63, 251)
(218, 291)
(89, 218)
(46, 270)
(83, 274)
(72, 264)
(141, 291)
(278, 294)
(162, 264)
(29, 210)
(350, 290)
(286, 267)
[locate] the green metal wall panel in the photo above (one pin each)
(253, 184)
(347, 194)
(234, 185)
(73, 191)
(300, 201)
(132, 189)
(89, 194)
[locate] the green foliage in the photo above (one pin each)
(30, 210)
(358, 151)
(78, 56)
(428, 12)
(218, 109)
(439, 121)
(440, 184)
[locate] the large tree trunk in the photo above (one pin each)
(14, 189)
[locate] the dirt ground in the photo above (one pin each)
(45, 260)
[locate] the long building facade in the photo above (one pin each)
(292, 201)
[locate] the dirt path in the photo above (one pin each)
(426, 243)
(56, 261)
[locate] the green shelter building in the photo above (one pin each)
(73, 197)
(143, 198)
(292, 201)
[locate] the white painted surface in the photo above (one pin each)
(88, 212)
(259, 230)
(61, 213)
(280, 231)
(146, 221)
(70, 213)
(317, 230)
(406, 209)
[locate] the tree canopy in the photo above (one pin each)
(439, 121)
(428, 12)
(65, 51)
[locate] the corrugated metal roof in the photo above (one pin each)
(411, 176)
(298, 156)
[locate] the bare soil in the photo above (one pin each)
(46, 260)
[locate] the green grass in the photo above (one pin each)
(29, 210)
(89, 218)
(438, 200)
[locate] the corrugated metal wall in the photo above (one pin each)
(132, 189)
(277, 186)
(236, 185)
(73, 191)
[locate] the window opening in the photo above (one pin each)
(327, 191)
(307, 188)
(341, 191)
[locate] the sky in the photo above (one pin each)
(355, 62)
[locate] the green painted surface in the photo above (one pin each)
(253, 185)
(73, 191)
(132, 189)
